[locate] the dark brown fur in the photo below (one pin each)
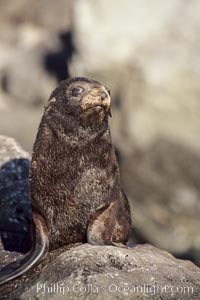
(75, 188)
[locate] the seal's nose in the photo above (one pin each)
(103, 96)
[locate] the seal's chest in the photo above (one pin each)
(91, 182)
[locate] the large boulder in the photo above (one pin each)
(107, 272)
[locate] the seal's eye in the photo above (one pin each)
(77, 91)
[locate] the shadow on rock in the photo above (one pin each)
(15, 210)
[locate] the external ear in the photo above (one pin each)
(50, 102)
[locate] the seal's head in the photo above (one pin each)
(86, 99)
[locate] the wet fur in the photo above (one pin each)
(75, 188)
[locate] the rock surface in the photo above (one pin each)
(99, 272)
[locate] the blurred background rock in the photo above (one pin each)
(147, 53)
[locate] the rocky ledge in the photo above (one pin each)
(99, 272)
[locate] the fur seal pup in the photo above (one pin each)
(75, 189)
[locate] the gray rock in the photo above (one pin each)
(106, 272)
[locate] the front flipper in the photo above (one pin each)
(109, 226)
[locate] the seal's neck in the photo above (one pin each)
(70, 131)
